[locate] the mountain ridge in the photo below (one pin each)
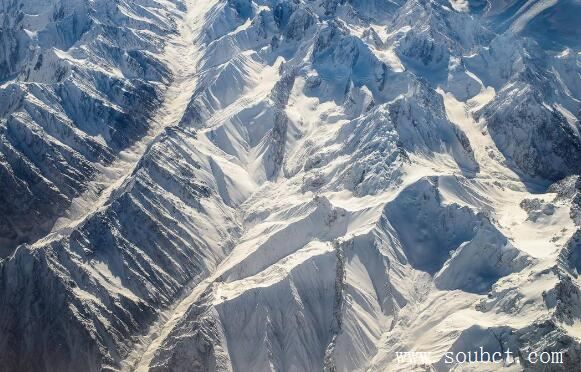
(317, 185)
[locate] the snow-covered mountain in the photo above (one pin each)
(79, 83)
(288, 185)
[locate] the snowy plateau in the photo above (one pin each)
(289, 185)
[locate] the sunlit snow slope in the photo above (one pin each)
(287, 185)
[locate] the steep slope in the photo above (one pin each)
(79, 81)
(257, 311)
(111, 272)
(324, 184)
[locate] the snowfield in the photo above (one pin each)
(288, 185)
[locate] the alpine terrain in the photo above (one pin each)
(290, 185)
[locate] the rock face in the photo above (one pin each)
(79, 82)
(532, 120)
(287, 185)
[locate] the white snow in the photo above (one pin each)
(326, 204)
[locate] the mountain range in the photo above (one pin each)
(289, 185)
